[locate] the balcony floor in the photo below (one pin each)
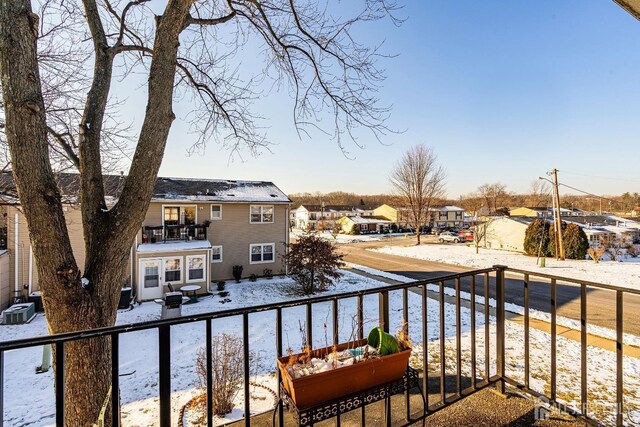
(484, 408)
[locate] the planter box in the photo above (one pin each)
(314, 389)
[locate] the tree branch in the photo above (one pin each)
(64, 144)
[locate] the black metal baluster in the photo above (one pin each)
(164, 366)
(1, 388)
(487, 354)
(425, 348)
(472, 289)
(583, 350)
(619, 358)
(360, 318)
(115, 379)
(383, 310)
(458, 340)
(209, 355)
(309, 325)
(247, 393)
(59, 381)
(526, 330)
(554, 292)
(443, 355)
(405, 328)
(500, 327)
(279, 354)
(334, 310)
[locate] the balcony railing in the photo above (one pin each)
(180, 232)
(486, 325)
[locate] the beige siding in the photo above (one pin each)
(386, 211)
(506, 234)
(6, 293)
(183, 256)
(235, 233)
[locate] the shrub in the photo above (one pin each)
(268, 273)
(253, 278)
(313, 263)
(633, 251)
(227, 371)
(595, 253)
(355, 230)
(536, 238)
(220, 285)
(575, 242)
(237, 272)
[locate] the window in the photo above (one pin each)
(195, 268)
(443, 215)
(172, 270)
(216, 212)
(216, 254)
(261, 214)
(261, 253)
(458, 215)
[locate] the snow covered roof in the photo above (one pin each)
(368, 220)
(448, 208)
(174, 246)
(336, 208)
(175, 189)
(217, 190)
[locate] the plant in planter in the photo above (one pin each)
(237, 272)
(220, 285)
(316, 376)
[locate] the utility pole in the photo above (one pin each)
(558, 225)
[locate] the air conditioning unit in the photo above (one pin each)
(19, 313)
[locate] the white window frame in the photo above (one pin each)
(187, 269)
(211, 212)
(262, 245)
(164, 277)
(262, 221)
(216, 261)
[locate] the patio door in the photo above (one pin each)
(150, 279)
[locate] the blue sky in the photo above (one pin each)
(502, 90)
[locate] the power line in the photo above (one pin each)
(599, 176)
(587, 193)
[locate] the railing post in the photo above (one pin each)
(115, 378)
(59, 383)
(500, 319)
(164, 362)
(1, 388)
(383, 310)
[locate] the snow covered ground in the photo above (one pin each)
(29, 397)
(624, 274)
(348, 238)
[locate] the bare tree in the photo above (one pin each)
(186, 50)
(419, 179)
(494, 195)
(472, 203)
(480, 230)
(539, 194)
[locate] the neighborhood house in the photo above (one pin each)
(194, 233)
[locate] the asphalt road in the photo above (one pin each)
(601, 308)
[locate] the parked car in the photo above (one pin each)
(467, 234)
(450, 236)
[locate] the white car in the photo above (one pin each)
(449, 236)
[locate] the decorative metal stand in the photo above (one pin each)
(331, 409)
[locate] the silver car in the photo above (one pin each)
(450, 236)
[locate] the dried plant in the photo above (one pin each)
(227, 370)
(596, 253)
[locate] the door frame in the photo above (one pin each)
(141, 293)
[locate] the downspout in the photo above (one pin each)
(30, 267)
(286, 239)
(15, 256)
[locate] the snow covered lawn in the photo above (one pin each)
(349, 238)
(624, 274)
(29, 397)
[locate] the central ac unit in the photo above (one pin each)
(19, 313)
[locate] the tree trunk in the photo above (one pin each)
(71, 305)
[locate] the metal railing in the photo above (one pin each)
(492, 284)
(179, 232)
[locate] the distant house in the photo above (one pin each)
(506, 233)
(440, 216)
(364, 224)
(308, 216)
(194, 232)
(544, 212)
